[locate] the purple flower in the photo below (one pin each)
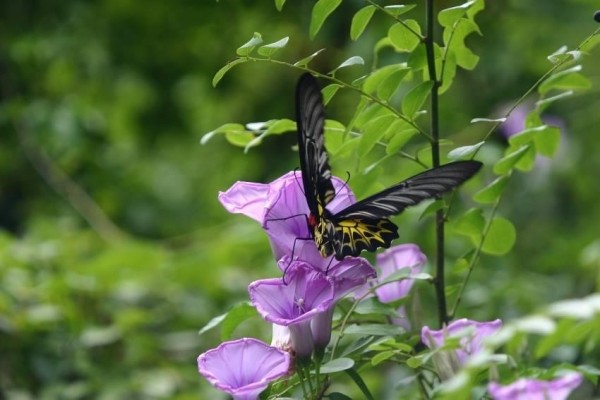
(389, 262)
(346, 275)
(307, 293)
(281, 208)
(244, 367)
(393, 260)
(470, 335)
(534, 389)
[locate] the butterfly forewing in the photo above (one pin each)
(310, 117)
(394, 200)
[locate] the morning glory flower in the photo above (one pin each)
(347, 275)
(396, 258)
(244, 367)
(393, 260)
(281, 208)
(305, 294)
(471, 335)
(535, 389)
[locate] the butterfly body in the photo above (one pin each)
(364, 225)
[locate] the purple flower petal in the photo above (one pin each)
(306, 293)
(469, 344)
(391, 261)
(246, 198)
(243, 368)
(534, 389)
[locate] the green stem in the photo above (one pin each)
(439, 280)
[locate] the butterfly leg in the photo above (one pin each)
(292, 256)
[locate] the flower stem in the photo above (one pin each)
(439, 281)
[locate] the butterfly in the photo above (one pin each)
(364, 225)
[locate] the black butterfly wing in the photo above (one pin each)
(364, 225)
(310, 117)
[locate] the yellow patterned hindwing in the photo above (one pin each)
(355, 235)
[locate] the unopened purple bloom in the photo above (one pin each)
(393, 260)
(294, 303)
(244, 367)
(534, 389)
(469, 344)
(389, 262)
(281, 208)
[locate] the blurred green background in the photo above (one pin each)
(114, 250)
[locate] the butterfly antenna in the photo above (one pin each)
(345, 185)
(299, 185)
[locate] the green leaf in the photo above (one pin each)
(279, 4)
(354, 60)
(415, 362)
(417, 58)
(527, 161)
(360, 383)
(402, 38)
(449, 72)
(399, 9)
(374, 80)
(360, 21)
(415, 98)
(231, 127)
(278, 126)
(381, 357)
(455, 39)
(337, 365)
(567, 79)
(220, 73)
(212, 323)
(236, 315)
(504, 165)
(304, 62)
(239, 138)
(331, 396)
(470, 224)
(334, 135)
(400, 139)
(374, 330)
(372, 306)
(373, 131)
(461, 153)
(432, 208)
(476, 7)
(370, 113)
(329, 91)
(321, 10)
(547, 141)
(491, 192)
(449, 16)
(490, 120)
(391, 83)
(542, 104)
(269, 49)
(500, 238)
(247, 47)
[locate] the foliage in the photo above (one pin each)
(389, 117)
(114, 250)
